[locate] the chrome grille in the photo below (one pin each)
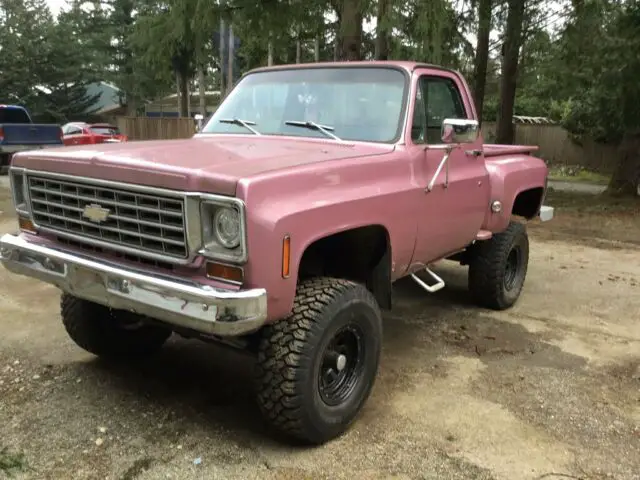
(140, 221)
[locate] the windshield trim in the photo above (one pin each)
(402, 116)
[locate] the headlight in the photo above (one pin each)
(223, 229)
(226, 227)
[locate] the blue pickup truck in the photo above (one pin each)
(18, 132)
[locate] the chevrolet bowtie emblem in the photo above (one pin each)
(96, 213)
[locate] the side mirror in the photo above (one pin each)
(456, 131)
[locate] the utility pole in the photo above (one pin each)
(222, 50)
(230, 67)
(270, 50)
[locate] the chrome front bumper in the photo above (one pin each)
(189, 305)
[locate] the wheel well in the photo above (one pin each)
(362, 254)
(527, 203)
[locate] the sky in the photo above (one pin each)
(56, 5)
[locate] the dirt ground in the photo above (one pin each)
(547, 390)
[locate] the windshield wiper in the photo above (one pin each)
(243, 123)
(314, 126)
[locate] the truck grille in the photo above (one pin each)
(116, 216)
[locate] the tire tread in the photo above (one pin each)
(487, 266)
(282, 353)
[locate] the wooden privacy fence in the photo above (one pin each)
(553, 141)
(557, 148)
(146, 128)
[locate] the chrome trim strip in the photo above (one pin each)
(196, 307)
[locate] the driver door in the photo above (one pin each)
(452, 213)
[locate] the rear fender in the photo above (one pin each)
(518, 182)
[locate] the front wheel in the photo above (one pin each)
(316, 368)
(114, 334)
(498, 267)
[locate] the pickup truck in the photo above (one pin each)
(18, 132)
(281, 226)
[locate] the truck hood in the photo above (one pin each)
(212, 164)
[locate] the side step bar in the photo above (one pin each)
(439, 285)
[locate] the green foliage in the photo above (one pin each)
(52, 82)
(12, 463)
(607, 107)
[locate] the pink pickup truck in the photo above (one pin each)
(281, 226)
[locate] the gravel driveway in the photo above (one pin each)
(549, 389)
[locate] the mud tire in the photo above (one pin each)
(498, 267)
(100, 330)
(292, 393)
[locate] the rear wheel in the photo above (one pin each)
(498, 267)
(316, 368)
(110, 333)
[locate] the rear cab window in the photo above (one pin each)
(13, 115)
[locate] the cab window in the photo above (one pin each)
(437, 98)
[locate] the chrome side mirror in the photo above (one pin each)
(456, 131)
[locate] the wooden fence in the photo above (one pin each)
(145, 128)
(555, 145)
(557, 148)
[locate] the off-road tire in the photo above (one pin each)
(98, 330)
(490, 264)
(291, 353)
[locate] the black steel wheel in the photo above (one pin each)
(342, 364)
(316, 368)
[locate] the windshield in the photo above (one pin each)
(356, 103)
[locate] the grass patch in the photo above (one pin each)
(577, 174)
(11, 463)
(585, 203)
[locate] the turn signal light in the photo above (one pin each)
(26, 225)
(226, 273)
(286, 257)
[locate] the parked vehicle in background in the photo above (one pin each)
(281, 226)
(79, 133)
(18, 133)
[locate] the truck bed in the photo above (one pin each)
(494, 149)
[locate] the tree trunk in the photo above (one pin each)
(298, 48)
(513, 39)
(183, 97)
(202, 90)
(178, 94)
(350, 31)
(625, 180)
(482, 54)
(382, 30)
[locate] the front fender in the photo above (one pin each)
(308, 205)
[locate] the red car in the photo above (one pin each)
(78, 133)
